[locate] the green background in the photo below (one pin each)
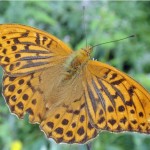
(104, 21)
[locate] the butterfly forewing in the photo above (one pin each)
(25, 53)
(121, 103)
(24, 50)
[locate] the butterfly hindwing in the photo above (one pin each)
(69, 123)
(23, 94)
(24, 49)
(121, 104)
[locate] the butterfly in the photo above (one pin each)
(72, 97)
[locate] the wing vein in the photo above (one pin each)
(101, 98)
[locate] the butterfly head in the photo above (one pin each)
(88, 50)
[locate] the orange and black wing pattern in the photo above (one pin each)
(115, 101)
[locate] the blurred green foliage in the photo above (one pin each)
(104, 21)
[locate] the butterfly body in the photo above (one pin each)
(72, 97)
(76, 62)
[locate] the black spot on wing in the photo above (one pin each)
(25, 34)
(114, 75)
(37, 40)
(117, 82)
(49, 44)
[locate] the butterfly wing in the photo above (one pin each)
(31, 60)
(24, 49)
(69, 123)
(67, 120)
(23, 94)
(33, 93)
(115, 101)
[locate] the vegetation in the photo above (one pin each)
(104, 21)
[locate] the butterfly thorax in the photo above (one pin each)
(76, 62)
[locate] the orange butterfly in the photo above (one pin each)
(72, 97)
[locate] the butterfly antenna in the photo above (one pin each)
(114, 40)
(84, 25)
